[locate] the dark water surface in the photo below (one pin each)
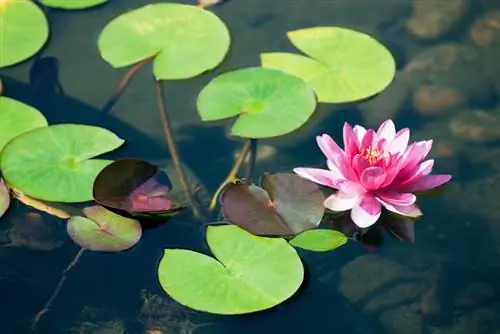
(447, 89)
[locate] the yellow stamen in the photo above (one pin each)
(373, 155)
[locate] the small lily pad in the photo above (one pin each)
(269, 102)
(286, 205)
(4, 198)
(16, 118)
(254, 273)
(185, 39)
(103, 230)
(319, 240)
(137, 187)
(344, 65)
(72, 4)
(53, 163)
(24, 30)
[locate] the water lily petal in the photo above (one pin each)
(369, 140)
(400, 142)
(359, 165)
(367, 212)
(341, 201)
(399, 199)
(330, 149)
(372, 178)
(360, 132)
(387, 131)
(426, 182)
(351, 143)
(409, 211)
(321, 176)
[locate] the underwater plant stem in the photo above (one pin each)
(49, 302)
(251, 160)
(233, 173)
(167, 129)
(123, 84)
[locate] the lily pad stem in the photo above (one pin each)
(47, 305)
(123, 84)
(167, 129)
(251, 160)
(233, 173)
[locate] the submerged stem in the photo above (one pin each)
(49, 302)
(123, 84)
(233, 173)
(251, 160)
(167, 129)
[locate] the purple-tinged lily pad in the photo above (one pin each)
(102, 230)
(286, 205)
(4, 198)
(135, 188)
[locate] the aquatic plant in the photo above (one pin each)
(256, 265)
(374, 169)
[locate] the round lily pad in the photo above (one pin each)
(24, 30)
(16, 118)
(186, 40)
(269, 102)
(4, 198)
(103, 230)
(252, 273)
(319, 240)
(72, 4)
(344, 65)
(286, 205)
(53, 163)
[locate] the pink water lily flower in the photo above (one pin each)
(374, 169)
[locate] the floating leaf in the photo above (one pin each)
(137, 187)
(4, 198)
(72, 4)
(16, 118)
(269, 103)
(24, 30)
(254, 273)
(186, 39)
(286, 205)
(53, 163)
(104, 230)
(345, 65)
(319, 240)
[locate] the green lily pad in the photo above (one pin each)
(53, 163)
(16, 118)
(269, 102)
(345, 65)
(72, 4)
(24, 30)
(254, 273)
(319, 240)
(103, 230)
(4, 198)
(186, 39)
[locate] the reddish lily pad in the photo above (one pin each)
(4, 198)
(286, 205)
(103, 230)
(135, 188)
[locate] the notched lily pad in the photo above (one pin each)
(250, 273)
(4, 198)
(344, 65)
(54, 163)
(103, 230)
(268, 102)
(319, 240)
(137, 188)
(286, 205)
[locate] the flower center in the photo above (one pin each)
(372, 155)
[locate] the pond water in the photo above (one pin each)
(446, 89)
